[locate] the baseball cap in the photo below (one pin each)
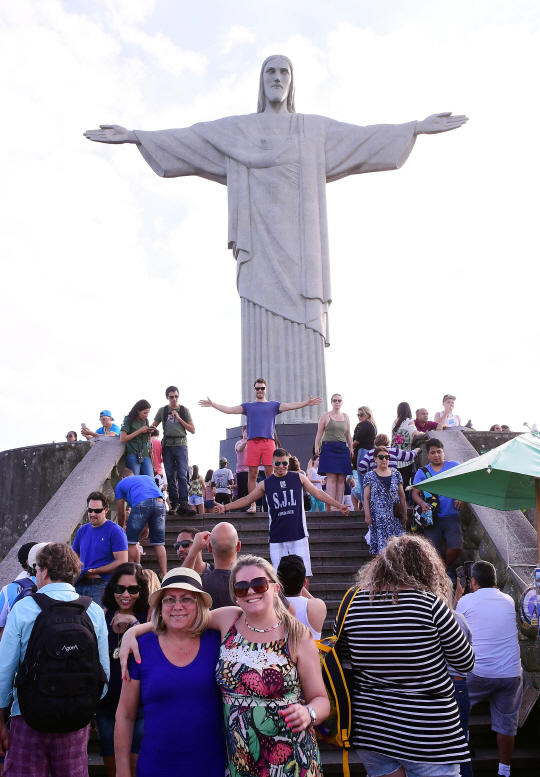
(32, 556)
(223, 460)
(107, 413)
(448, 396)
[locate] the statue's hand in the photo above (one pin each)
(111, 133)
(439, 122)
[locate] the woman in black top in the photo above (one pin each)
(363, 441)
(126, 603)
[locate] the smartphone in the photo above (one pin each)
(460, 572)
(467, 566)
(83, 425)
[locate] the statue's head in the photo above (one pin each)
(276, 83)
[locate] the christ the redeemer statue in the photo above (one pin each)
(275, 164)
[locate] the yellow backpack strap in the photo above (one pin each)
(346, 770)
(344, 609)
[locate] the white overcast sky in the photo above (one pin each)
(116, 283)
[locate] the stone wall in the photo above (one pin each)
(29, 477)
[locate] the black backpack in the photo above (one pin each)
(60, 681)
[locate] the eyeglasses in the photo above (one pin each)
(96, 510)
(281, 463)
(173, 396)
(258, 585)
(260, 388)
(382, 458)
(131, 589)
(185, 601)
(183, 544)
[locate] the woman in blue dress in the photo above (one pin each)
(383, 488)
(176, 683)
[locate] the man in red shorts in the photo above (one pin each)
(261, 423)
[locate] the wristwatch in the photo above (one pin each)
(312, 714)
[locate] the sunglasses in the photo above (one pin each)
(260, 388)
(183, 544)
(70, 436)
(131, 589)
(173, 396)
(258, 585)
(281, 463)
(96, 510)
(361, 415)
(382, 458)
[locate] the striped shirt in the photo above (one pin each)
(403, 700)
(396, 454)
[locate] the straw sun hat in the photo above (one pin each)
(186, 579)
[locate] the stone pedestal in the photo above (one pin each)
(297, 439)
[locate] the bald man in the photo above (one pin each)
(223, 543)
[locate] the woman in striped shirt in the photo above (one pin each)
(398, 634)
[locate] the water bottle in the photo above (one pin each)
(429, 517)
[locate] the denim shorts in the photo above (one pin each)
(445, 533)
(151, 512)
(504, 694)
(378, 764)
(105, 721)
(193, 499)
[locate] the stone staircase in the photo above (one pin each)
(338, 550)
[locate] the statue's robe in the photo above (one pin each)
(278, 228)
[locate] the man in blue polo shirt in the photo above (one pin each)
(101, 545)
(147, 507)
(445, 534)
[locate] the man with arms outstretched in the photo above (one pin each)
(284, 493)
(261, 423)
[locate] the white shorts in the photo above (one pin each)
(347, 500)
(297, 547)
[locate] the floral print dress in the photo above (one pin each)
(384, 523)
(257, 679)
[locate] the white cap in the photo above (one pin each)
(33, 555)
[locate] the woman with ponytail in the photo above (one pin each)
(268, 661)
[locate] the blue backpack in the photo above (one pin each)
(26, 587)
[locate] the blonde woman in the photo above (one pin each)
(267, 662)
(175, 681)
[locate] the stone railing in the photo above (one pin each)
(65, 509)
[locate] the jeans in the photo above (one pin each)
(175, 459)
(361, 453)
(145, 468)
(151, 512)
(94, 590)
(105, 721)
(462, 700)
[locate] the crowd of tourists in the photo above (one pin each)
(214, 667)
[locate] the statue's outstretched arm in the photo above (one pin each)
(440, 122)
(111, 133)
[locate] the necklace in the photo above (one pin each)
(262, 631)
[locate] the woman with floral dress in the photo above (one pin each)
(383, 488)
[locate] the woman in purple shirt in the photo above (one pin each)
(176, 683)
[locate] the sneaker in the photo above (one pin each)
(173, 510)
(185, 509)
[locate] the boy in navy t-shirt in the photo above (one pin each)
(101, 545)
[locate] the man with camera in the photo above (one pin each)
(497, 675)
(176, 420)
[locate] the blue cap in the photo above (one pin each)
(107, 413)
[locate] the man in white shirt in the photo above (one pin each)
(223, 479)
(497, 675)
